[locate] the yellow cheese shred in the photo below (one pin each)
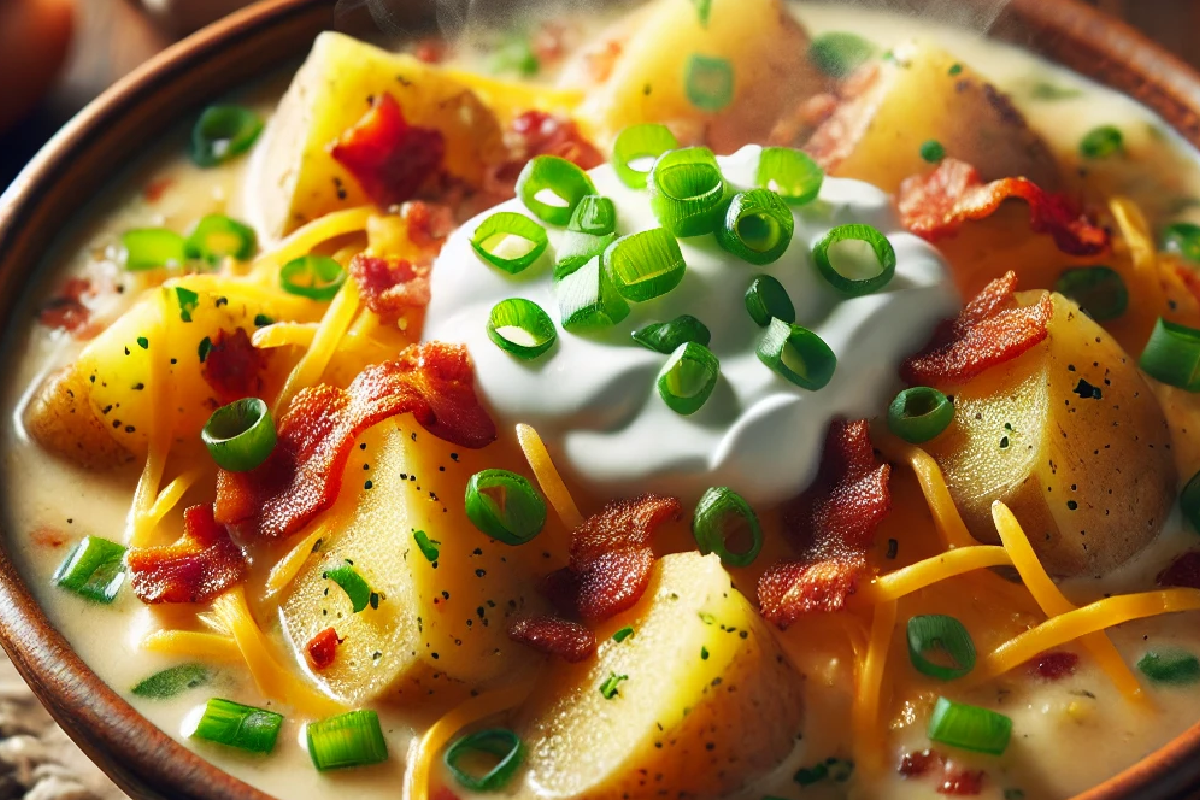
(933, 485)
(170, 496)
(306, 238)
(425, 748)
(329, 333)
(865, 713)
(547, 476)
(193, 644)
(286, 569)
(929, 571)
(1053, 603)
(140, 526)
(283, 334)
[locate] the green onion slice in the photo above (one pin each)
(1183, 238)
(1102, 142)
(979, 730)
(587, 300)
(552, 187)
(353, 584)
(918, 414)
(500, 743)
(790, 173)
(521, 328)
(797, 354)
(1189, 500)
(636, 149)
(687, 380)
(241, 435)
(710, 84)
(723, 516)
(932, 151)
(94, 569)
(152, 248)
(312, 276)
(235, 725)
(217, 237)
(1099, 291)
(766, 299)
(644, 265)
(509, 241)
(946, 636)
(223, 132)
(430, 548)
(758, 227)
(664, 337)
(353, 739)
(687, 191)
(505, 506)
(1170, 666)
(856, 259)
(839, 53)
(1172, 355)
(172, 681)
(576, 249)
(516, 57)
(595, 214)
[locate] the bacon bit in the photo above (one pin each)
(153, 191)
(443, 793)
(233, 367)
(549, 42)
(991, 329)
(428, 224)
(536, 133)
(1053, 665)
(1183, 571)
(389, 158)
(45, 536)
(937, 204)
(600, 64)
(811, 113)
(623, 523)
(431, 50)
(959, 781)
(390, 286)
(302, 476)
(568, 640)
(67, 310)
(837, 516)
(918, 763)
(201, 565)
(613, 582)
(322, 649)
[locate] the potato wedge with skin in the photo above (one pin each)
(1071, 437)
(924, 93)
(709, 701)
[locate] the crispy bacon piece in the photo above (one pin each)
(197, 568)
(322, 649)
(537, 133)
(623, 523)
(919, 762)
(952, 778)
(1053, 665)
(390, 286)
(937, 204)
(428, 224)
(836, 517)
(991, 329)
(1183, 571)
(389, 158)
(233, 367)
(568, 640)
(959, 781)
(67, 310)
(302, 476)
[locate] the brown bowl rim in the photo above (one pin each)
(144, 760)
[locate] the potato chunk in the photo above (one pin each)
(1072, 438)
(703, 701)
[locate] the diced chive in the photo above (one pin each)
(188, 302)
(353, 739)
(798, 355)
(1170, 667)
(505, 506)
(612, 685)
(766, 299)
(723, 516)
(758, 227)
(576, 249)
(152, 248)
(94, 569)
(312, 276)
(838, 53)
(635, 150)
(172, 681)
(937, 633)
(353, 584)
(430, 548)
(217, 236)
(551, 187)
(235, 725)
(856, 259)
(1101, 142)
(932, 151)
(223, 132)
(595, 214)
(521, 328)
(1183, 238)
(509, 241)
(665, 337)
(587, 299)
(241, 435)
(644, 265)
(500, 743)
(790, 173)
(710, 82)
(919, 414)
(687, 380)
(970, 727)
(687, 191)
(1172, 355)
(1100, 291)
(622, 634)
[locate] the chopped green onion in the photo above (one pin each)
(244, 727)
(758, 226)
(687, 380)
(1170, 666)
(1183, 238)
(509, 241)
(664, 337)
(612, 685)
(498, 742)
(839, 53)
(353, 584)
(622, 634)
(1172, 355)
(521, 328)
(217, 236)
(644, 265)
(312, 276)
(152, 248)
(636, 149)
(856, 259)
(241, 435)
(943, 634)
(172, 681)
(918, 414)
(797, 354)
(710, 84)
(222, 132)
(576, 249)
(188, 302)
(595, 214)
(790, 173)
(1099, 291)
(94, 569)
(587, 299)
(1101, 142)
(1189, 500)
(516, 57)
(687, 191)
(353, 739)
(932, 151)
(979, 730)
(430, 548)
(551, 187)
(505, 506)
(723, 515)
(766, 299)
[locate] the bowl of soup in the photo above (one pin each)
(739, 398)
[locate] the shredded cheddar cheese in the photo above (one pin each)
(329, 333)
(170, 496)
(286, 569)
(933, 485)
(193, 644)
(140, 525)
(867, 733)
(547, 476)
(305, 239)
(284, 334)
(907, 580)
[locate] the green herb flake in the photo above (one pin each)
(807, 776)
(703, 11)
(206, 346)
(955, 69)
(172, 681)
(261, 320)
(1004, 442)
(143, 342)
(610, 687)
(703, 653)
(706, 618)
(1046, 90)
(188, 301)
(1101, 142)
(430, 548)
(932, 151)
(622, 634)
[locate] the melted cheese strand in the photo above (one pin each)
(306, 238)
(1147, 299)
(425, 748)
(929, 571)
(325, 341)
(547, 476)
(285, 571)
(170, 496)
(933, 485)
(870, 685)
(139, 525)
(193, 644)
(283, 334)
(1053, 603)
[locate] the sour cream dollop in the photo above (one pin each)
(594, 398)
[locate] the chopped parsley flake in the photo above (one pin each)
(188, 301)
(623, 634)
(143, 342)
(703, 653)
(610, 687)
(262, 319)
(430, 548)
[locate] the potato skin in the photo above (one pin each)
(1085, 461)
(61, 421)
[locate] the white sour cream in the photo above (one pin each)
(594, 398)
